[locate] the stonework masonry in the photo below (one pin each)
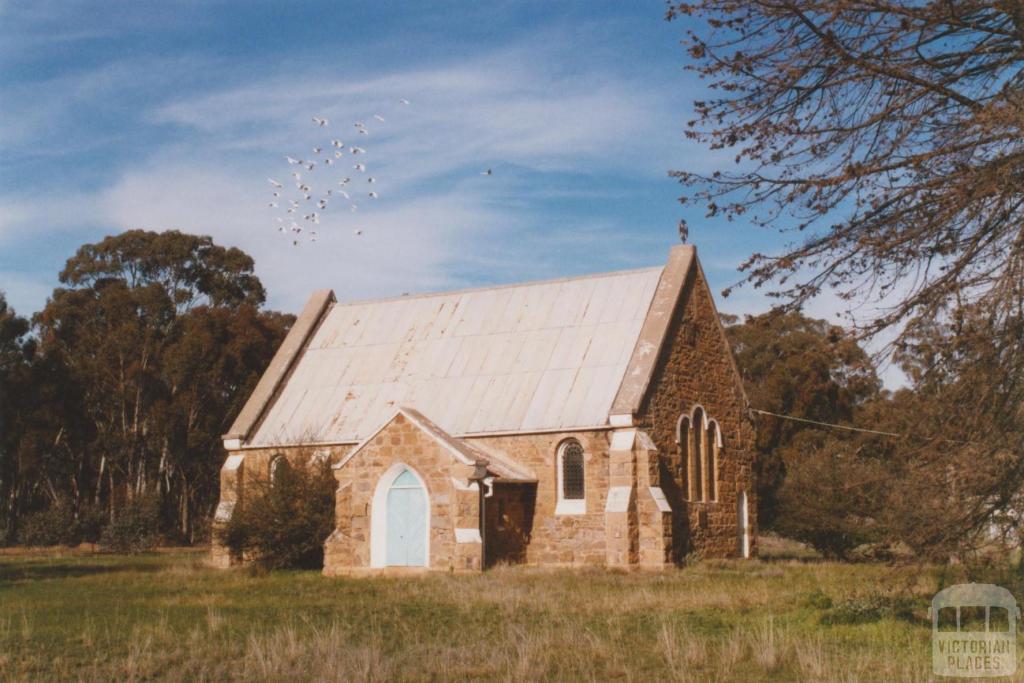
(698, 369)
(636, 511)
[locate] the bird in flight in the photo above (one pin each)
(487, 172)
(319, 195)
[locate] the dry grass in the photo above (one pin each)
(166, 617)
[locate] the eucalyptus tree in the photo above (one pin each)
(163, 335)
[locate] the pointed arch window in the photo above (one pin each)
(711, 461)
(571, 475)
(700, 440)
(277, 465)
(683, 437)
(696, 455)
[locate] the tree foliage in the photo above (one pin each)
(889, 136)
(889, 133)
(140, 362)
(801, 367)
(16, 354)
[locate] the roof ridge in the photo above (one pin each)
(509, 285)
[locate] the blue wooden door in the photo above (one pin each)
(407, 522)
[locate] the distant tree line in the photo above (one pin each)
(116, 394)
(912, 470)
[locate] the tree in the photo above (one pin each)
(210, 367)
(797, 366)
(16, 351)
(158, 338)
(889, 135)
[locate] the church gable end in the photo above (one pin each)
(695, 411)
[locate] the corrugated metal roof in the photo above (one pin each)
(518, 358)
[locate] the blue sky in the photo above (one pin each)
(117, 115)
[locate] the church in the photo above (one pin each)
(593, 420)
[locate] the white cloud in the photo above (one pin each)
(437, 218)
(502, 110)
(407, 245)
(26, 293)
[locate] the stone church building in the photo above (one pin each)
(595, 420)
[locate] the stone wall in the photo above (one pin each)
(696, 367)
(452, 506)
(560, 539)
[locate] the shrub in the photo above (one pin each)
(285, 523)
(867, 609)
(92, 519)
(134, 529)
(831, 496)
(818, 599)
(52, 526)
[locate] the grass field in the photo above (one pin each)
(164, 616)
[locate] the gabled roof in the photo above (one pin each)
(497, 463)
(540, 356)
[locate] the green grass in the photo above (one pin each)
(165, 616)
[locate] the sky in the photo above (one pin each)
(118, 115)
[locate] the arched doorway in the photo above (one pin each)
(743, 524)
(400, 526)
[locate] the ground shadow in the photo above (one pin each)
(59, 568)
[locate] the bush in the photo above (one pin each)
(134, 529)
(867, 609)
(92, 519)
(831, 496)
(52, 526)
(285, 524)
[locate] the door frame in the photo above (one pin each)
(379, 515)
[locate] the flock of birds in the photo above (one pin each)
(309, 198)
(336, 175)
